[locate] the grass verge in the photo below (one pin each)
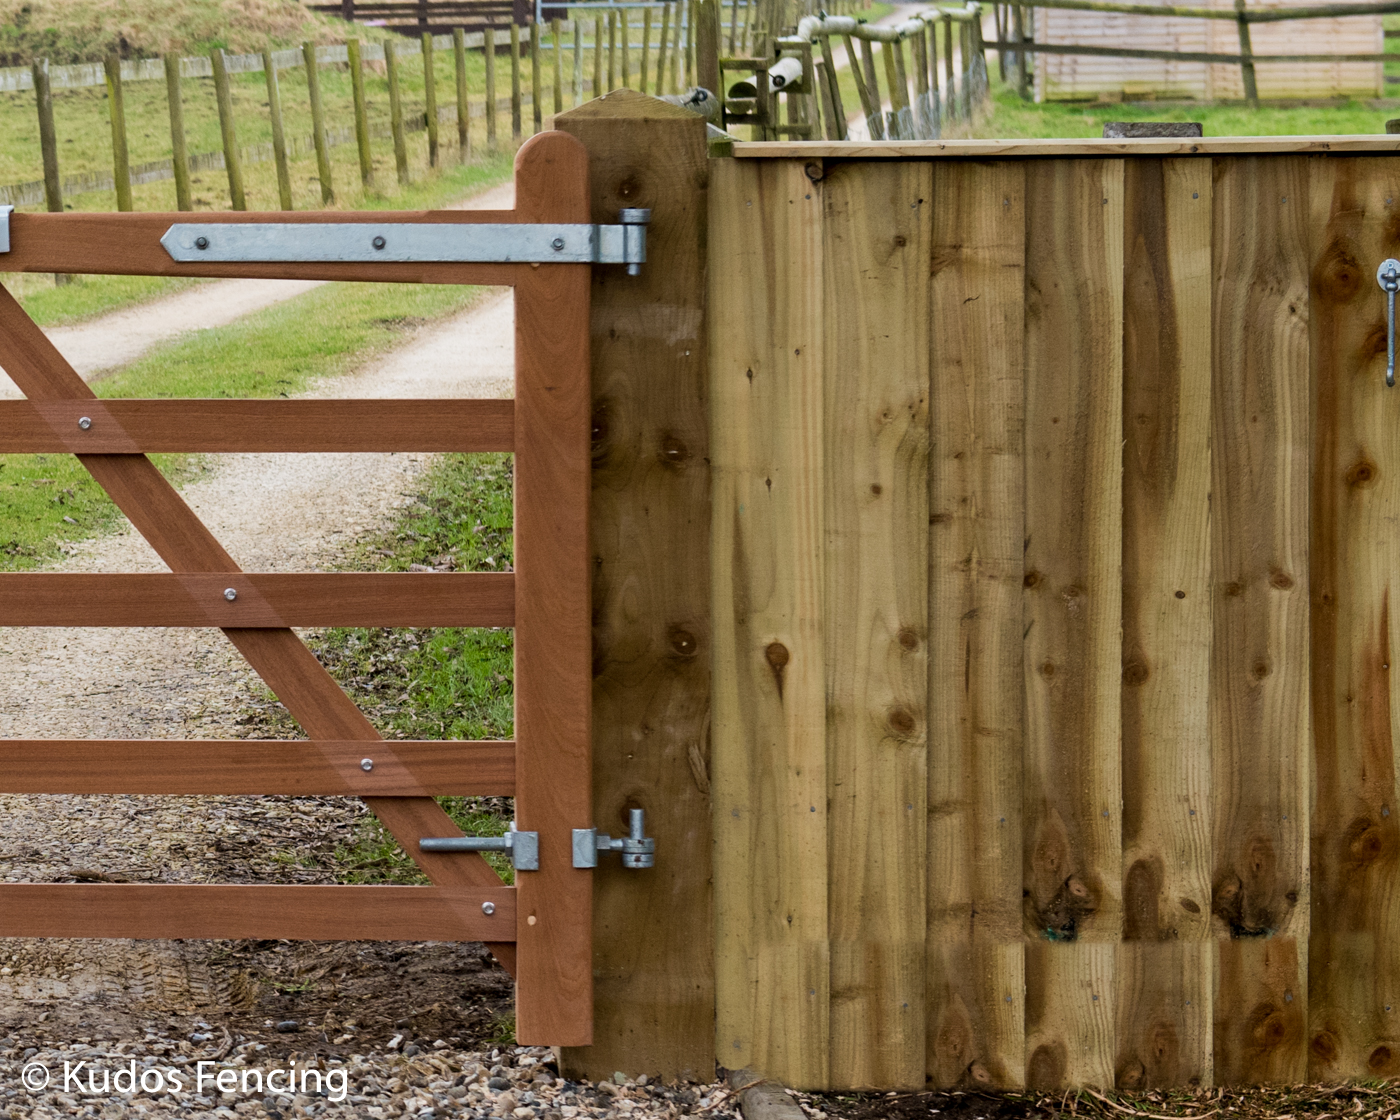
(427, 684)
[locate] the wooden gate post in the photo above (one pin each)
(653, 960)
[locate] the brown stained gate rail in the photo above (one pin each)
(540, 929)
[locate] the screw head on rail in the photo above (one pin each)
(85, 422)
(366, 764)
(379, 242)
(558, 244)
(230, 594)
(488, 908)
(201, 242)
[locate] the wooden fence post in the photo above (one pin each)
(279, 139)
(652, 931)
(646, 50)
(464, 116)
(707, 45)
(1018, 25)
(597, 56)
(536, 90)
(578, 63)
(430, 98)
(357, 93)
(318, 122)
(179, 152)
(48, 137)
(624, 19)
(661, 49)
(950, 79)
(391, 68)
(515, 128)
(489, 38)
(232, 164)
(1251, 88)
(836, 111)
(612, 51)
(121, 160)
(556, 32)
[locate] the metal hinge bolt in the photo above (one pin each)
(522, 847)
(637, 848)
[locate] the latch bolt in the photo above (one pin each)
(637, 848)
(522, 847)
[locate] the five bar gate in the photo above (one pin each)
(540, 928)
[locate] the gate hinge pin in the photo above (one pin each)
(522, 847)
(637, 848)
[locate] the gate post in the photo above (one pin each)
(653, 953)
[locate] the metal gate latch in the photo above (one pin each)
(1388, 277)
(413, 243)
(638, 849)
(522, 847)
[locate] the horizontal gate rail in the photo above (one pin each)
(308, 913)
(130, 426)
(248, 600)
(298, 767)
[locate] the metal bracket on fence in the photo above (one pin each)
(5, 212)
(522, 847)
(439, 242)
(638, 849)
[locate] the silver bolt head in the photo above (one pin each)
(488, 908)
(558, 244)
(366, 764)
(201, 242)
(85, 422)
(230, 594)
(379, 242)
(1388, 274)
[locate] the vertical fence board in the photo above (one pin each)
(1072, 858)
(1164, 1009)
(1259, 705)
(875, 254)
(653, 931)
(976, 1014)
(769, 728)
(1354, 974)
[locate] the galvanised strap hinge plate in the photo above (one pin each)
(522, 847)
(5, 212)
(441, 242)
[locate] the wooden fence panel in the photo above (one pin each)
(1354, 973)
(770, 783)
(1259, 700)
(875, 235)
(1073, 607)
(975, 969)
(1163, 1004)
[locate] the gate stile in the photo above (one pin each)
(539, 929)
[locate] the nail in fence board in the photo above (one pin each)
(1163, 999)
(1072, 793)
(769, 730)
(975, 961)
(653, 952)
(1259, 683)
(875, 377)
(1354, 974)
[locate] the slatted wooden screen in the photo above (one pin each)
(540, 928)
(1056, 515)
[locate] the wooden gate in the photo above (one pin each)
(540, 929)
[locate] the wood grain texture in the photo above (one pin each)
(261, 599)
(129, 245)
(400, 768)
(772, 963)
(653, 933)
(1259, 706)
(875, 254)
(134, 426)
(1163, 996)
(1072, 846)
(553, 678)
(975, 968)
(313, 913)
(1353, 974)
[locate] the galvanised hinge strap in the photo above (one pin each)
(484, 243)
(5, 212)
